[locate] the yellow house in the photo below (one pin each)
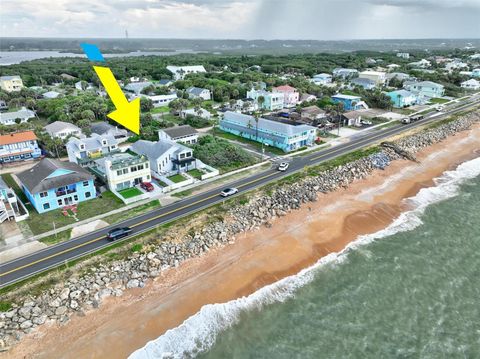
(11, 83)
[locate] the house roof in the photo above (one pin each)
(22, 114)
(426, 84)
(346, 97)
(180, 131)
(137, 86)
(17, 137)
(195, 90)
(471, 82)
(6, 78)
(36, 178)
(92, 143)
(154, 150)
(363, 81)
(164, 81)
(264, 124)
(285, 88)
(51, 94)
(197, 68)
(58, 126)
(101, 128)
(322, 75)
(312, 110)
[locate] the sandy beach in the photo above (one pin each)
(122, 325)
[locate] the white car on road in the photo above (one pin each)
(283, 166)
(227, 192)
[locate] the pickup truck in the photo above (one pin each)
(414, 118)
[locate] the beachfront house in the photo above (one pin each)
(52, 184)
(286, 136)
(349, 102)
(122, 170)
(402, 98)
(11, 83)
(269, 101)
(20, 146)
(16, 117)
(471, 84)
(11, 208)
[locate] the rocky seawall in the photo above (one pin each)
(85, 292)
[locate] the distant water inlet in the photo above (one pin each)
(410, 290)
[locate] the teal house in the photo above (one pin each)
(52, 184)
(402, 98)
(350, 103)
(426, 89)
(287, 137)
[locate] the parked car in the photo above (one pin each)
(147, 186)
(228, 192)
(117, 233)
(440, 107)
(283, 166)
(366, 122)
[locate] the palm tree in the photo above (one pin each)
(257, 118)
(261, 101)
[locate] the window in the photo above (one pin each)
(43, 194)
(146, 165)
(133, 168)
(140, 167)
(85, 183)
(125, 171)
(87, 194)
(60, 202)
(46, 206)
(119, 172)
(75, 198)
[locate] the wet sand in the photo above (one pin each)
(258, 258)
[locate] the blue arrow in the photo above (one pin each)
(92, 51)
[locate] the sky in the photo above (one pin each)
(242, 19)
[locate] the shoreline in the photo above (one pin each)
(257, 258)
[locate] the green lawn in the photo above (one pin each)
(257, 145)
(162, 109)
(40, 223)
(59, 237)
(196, 173)
(130, 192)
(177, 178)
(438, 100)
(161, 183)
(118, 217)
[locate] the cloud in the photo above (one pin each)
(266, 19)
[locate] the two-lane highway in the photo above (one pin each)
(56, 255)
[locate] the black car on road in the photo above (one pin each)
(117, 233)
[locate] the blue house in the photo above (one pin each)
(52, 184)
(287, 137)
(402, 98)
(350, 103)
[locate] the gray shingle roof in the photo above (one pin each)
(154, 150)
(195, 91)
(23, 114)
(35, 178)
(6, 78)
(58, 126)
(180, 131)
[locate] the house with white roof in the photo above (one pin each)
(162, 100)
(425, 88)
(85, 151)
(376, 76)
(321, 79)
(179, 72)
(14, 117)
(345, 73)
(471, 84)
(51, 94)
(62, 129)
(202, 113)
(422, 64)
(83, 85)
(286, 136)
(137, 87)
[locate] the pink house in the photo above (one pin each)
(291, 95)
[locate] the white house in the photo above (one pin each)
(51, 94)
(197, 92)
(376, 76)
(62, 129)
(455, 65)
(11, 83)
(321, 79)
(179, 72)
(83, 86)
(471, 84)
(422, 64)
(403, 55)
(84, 151)
(185, 134)
(14, 117)
(122, 170)
(137, 87)
(202, 113)
(162, 100)
(166, 157)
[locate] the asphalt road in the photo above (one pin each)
(56, 255)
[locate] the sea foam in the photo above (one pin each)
(198, 333)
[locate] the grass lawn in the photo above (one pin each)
(195, 173)
(438, 100)
(161, 183)
(177, 178)
(130, 192)
(182, 194)
(40, 223)
(162, 109)
(60, 237)
(257, 145)
(118, 217)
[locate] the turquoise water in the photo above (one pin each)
(410, 291)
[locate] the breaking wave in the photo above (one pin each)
(198, 333)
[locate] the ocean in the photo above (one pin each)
(411, 290)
